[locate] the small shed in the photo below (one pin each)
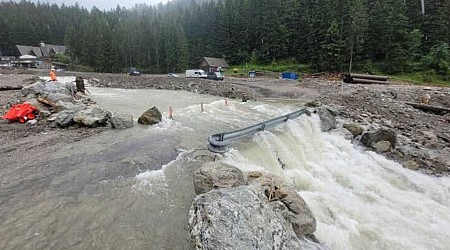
(210, 64)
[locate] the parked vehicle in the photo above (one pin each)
(172, 75)
(134, 72)
(195, 73)
(217, 76)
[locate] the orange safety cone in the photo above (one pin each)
(31, 116)
(22, 119)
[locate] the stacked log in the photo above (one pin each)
(365, 79)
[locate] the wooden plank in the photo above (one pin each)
(366, 81)
(428, 107)
(370, 77)
(49, 103)
(9, 88)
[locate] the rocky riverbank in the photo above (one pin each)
(423, 138)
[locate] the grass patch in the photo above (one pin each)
(80, 68)
(275, 67)
(423, 78)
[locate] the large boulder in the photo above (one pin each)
(239, 218)
(150, 117)
(216, 175)
(121, 121)
(327, 119)
(44, 88)
(370, 138)
(92, 116)
(56, 97)
(65, 117)
(292, 206)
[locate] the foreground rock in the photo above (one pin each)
(121, 121)
(150, 117)
(260, 215)
(353, 128)
(215, 175)
(239, 218)
(92, 117)
(327, 119)
(43, 88)
(369, 139)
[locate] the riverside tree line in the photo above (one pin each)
(388, 35)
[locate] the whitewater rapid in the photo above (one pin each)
(361, 200)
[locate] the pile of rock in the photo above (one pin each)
(394, 129)
(59, 104)
(234, 210)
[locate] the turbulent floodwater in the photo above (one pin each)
(132, 189)
(361, 200)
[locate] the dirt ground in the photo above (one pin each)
(423, 137)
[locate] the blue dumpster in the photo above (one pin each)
(289, 75)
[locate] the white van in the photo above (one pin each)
(195, 73)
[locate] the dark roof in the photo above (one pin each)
(37, 51)
(24, 50)
(216, 62)
(58, 49)
(41, 51)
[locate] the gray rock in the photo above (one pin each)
(43, 88)
(327, 120)
(299, 215)
(121, 121)
(32, 122)
(56, 97)
(354, 128)
(92, 116)
(295, 209)
(314, 103)
(388, 123)
(65, 117)
(411, 165)
(332, 110)
(372, 137)
(150, 117)
(239, 218)
(216, 175)
(382, 146)
(44, 113)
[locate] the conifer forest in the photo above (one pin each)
(390, 36)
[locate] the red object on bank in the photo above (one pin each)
(20, 112)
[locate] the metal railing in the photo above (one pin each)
(218, 143)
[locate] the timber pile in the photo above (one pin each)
(425, 107)
(365, 79)
(8, 88)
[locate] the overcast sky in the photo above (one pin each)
(101, 4)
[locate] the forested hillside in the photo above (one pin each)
(390, 35)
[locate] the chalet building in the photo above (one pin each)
(41, 57)
(43, 51)
(210, 64)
